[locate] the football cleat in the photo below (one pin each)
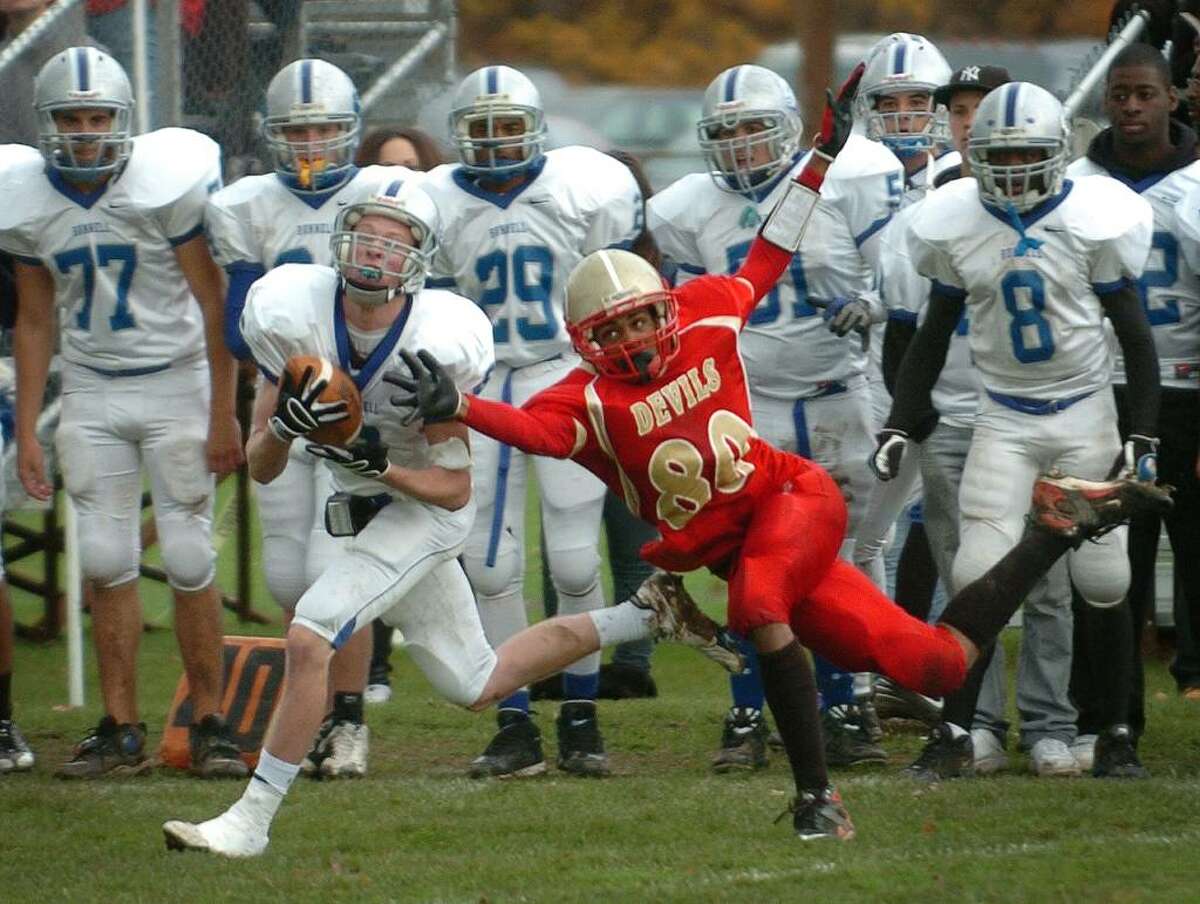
(15, 755)
(846, 742)
(989, 755)
(580, 746)
(1051, 757)
(311, 764)
(895, 702)
(1115, 755)
(231, 834)
(743, 741)
(1081, 510)
(820, 814)
(515, 751)
(214, 753)
(1083, 748)
(346, 748)
(678, 618)
(943, 756)
(108, 750)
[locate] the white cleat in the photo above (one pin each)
(1083, 748)
(346, 751)
(989, 752)
(230, 835)
(1052, 757)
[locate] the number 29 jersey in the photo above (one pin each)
(124, 304)
(1037, 327)
(679, 450)
(511, 252)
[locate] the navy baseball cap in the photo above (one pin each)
(972, 78)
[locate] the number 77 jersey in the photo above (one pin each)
(1032, 282)
(511, 252)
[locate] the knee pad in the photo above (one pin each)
(185, 473)
(500, 578)
(458, 688)
(187, 552)
(107, 557)
(575, 572)
(76, 460)
(285, 571)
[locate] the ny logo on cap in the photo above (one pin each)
(969, 74)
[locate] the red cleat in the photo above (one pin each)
(1084, 509)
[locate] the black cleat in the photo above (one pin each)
(1116, 756)
(846, 742)
(311, 764)
(215, 754)
(108, 750)
(820, 814)
(580, 746)
(1081, 510)
(943, 757)
(868, 719)
(895, 702)
(743, 741)
(515, 751)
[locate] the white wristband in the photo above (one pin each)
(785, 225)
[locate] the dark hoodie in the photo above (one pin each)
(1183, 143)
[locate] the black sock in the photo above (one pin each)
(348, 707)
(1111, 644)
(959, 706)
(982, 608)
(6, 696)
(791, 692)
(381, 649)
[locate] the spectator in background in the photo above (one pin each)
(110, 23)
(18, 120)
(392, 146)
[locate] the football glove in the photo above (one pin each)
(432, 395)
(838, 118)
(1138, 458)
(364, 459)
(846, 315)
(889, 452)
(299, 412)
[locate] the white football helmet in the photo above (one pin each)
(745, 95)
(1019, 116)
(84, 78)
(903, 62)
(485, 96)
(375, 267)
(312, 93)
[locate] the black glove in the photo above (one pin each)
(889, 452)
(432, 394)
(838, 118)
(1138, 458)
(364, 459)
(298, 411)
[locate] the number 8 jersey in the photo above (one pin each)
(511, 252)
(1031, 282)
(124, 303)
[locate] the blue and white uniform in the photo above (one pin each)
(136, 382)
(403, 565)
(511, 252)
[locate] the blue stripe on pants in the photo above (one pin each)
(501, 484)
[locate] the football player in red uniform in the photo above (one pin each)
(659, 411)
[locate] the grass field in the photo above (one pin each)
(662, 828)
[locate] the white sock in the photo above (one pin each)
(572, 604)
(622, 622)
(265, 792)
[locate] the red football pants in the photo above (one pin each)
(788, 571)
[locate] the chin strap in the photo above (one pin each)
(368, 298)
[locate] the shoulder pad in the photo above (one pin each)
(685, 201)
(1076, 169)
(169, 163)
(863, 157)
(21, 169)
(940, 214)
(1100, 207)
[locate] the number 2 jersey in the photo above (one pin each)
(679, 450)
(511, 252)
(1036, 325)
(297, 309)
(124, 304)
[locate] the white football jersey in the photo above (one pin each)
(905, 293)
(920, 181)
(788, 348)
(124, 304)
(511, 253)
(296, 309)
(259, 222)
(1168, 287)
(1037, 329)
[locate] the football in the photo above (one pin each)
(340, 387)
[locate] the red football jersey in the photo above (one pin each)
(680, 450)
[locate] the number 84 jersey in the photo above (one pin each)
(1032, 282)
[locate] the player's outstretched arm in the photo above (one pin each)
(431, 395)
(33, 346)
(207, 283)
(1139, 453)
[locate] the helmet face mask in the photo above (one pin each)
(1018, 146)
(375, 259)
(312, 126)
(497, 123)
(903, 68)
(71, 89)
(750, 128)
